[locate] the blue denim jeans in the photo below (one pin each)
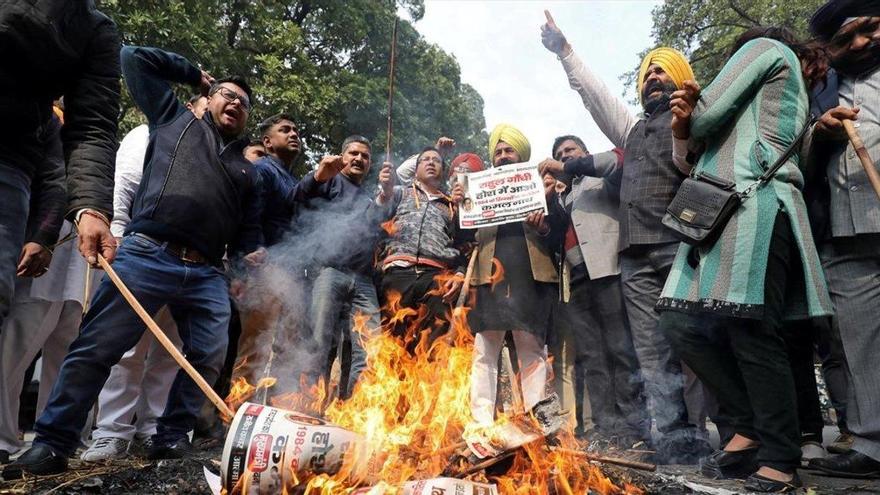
(15, 187)
(197, 296)
(333, 292)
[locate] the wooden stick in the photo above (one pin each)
(391, 89)
(643, 466)
(87, 290)
(165, 341)
(864, 157)
(466, 285)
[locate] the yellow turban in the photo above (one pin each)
(671, 61)
(512, 136)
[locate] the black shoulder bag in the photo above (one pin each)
(705, 203)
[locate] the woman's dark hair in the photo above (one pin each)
(814, 59)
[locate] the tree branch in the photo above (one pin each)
(742, 13)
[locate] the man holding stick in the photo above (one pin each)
(648, 180)
(850, 237)
(422, 262)
(195, 198)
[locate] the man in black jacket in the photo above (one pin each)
(196, 197)
(49, 49)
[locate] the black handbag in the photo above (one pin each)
(705, 203)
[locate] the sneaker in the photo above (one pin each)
(810, 451)
(106, 448)
(177, 450)
(842, 444)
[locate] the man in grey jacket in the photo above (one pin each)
(590, 278)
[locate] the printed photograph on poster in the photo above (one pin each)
(500, 195)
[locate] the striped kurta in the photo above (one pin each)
(747, 118)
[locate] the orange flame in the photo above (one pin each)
(412, 406)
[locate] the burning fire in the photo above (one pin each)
(412, 409)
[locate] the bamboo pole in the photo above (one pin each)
(867, 163)
(165, 341)
(391, 90)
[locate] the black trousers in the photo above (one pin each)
(800, 338)
(414, 284)
(608, 358)
(745, 361)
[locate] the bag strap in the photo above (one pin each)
(792, 148)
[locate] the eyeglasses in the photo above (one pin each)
(230, 96)
(429, 159)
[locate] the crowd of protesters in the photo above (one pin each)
(643, 336)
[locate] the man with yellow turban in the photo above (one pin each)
(647, 180)
(520, 302)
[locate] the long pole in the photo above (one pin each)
(867, 163)
(164, 340)
(391, 89)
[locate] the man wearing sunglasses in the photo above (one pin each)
(195, 199)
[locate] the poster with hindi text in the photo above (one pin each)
(500, 195)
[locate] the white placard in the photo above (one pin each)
(500, 195)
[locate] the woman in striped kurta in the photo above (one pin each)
(724, 303)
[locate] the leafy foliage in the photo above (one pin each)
(704, 30)
(324, 61)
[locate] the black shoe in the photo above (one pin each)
(176, 450)
(763, 484)
(4, 456)
(39, 459)
(730, 465)
(683, 449)
(852, 464)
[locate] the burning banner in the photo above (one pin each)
(500, 195)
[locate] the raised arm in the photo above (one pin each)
(148, 73)
(609, 111)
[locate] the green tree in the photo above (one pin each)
(324, 61)
(704, 30)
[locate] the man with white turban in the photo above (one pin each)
(648, 180)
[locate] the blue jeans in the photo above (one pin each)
(197, 296)
(332, 292)
(15, 187)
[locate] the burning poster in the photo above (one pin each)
(269, 448)
(436, 486)
(500, 195)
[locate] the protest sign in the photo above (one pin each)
(500, 195)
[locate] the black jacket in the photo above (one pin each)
(48, 194)
(197, 190)
(81, 63)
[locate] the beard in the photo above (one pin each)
(859, 62)
(659, 101)
(504, 161)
